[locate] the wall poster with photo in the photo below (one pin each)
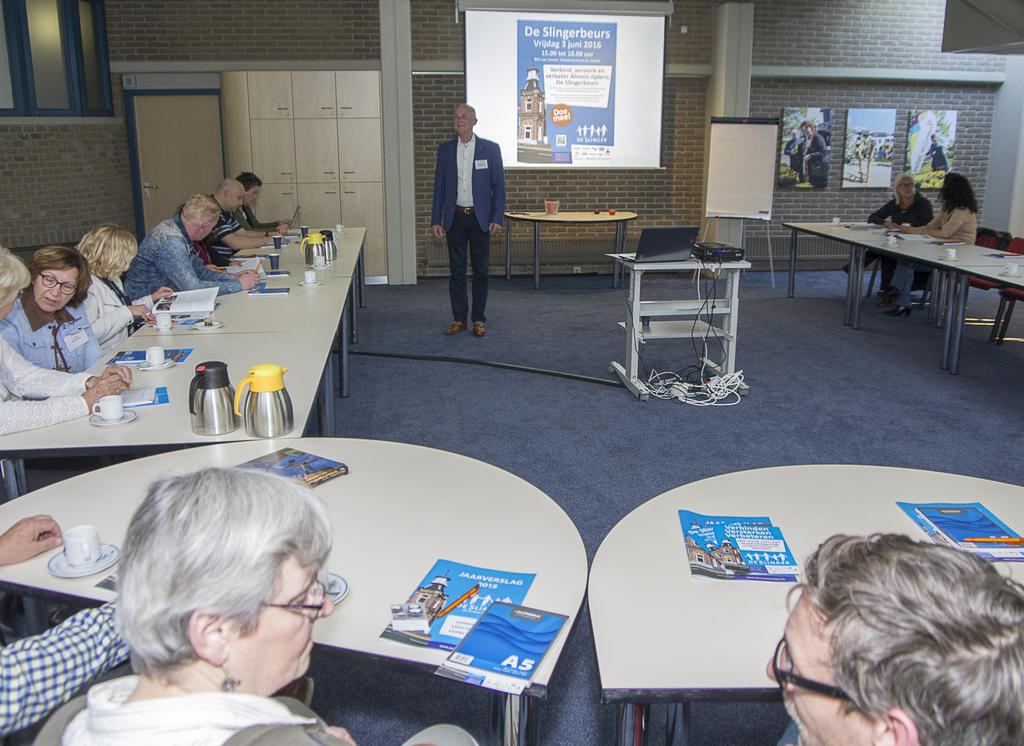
(931, 141)
(805, 147)
(867, 152)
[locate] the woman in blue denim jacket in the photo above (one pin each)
(48, 325)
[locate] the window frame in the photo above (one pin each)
(20, 60)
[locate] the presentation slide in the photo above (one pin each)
(567, 90)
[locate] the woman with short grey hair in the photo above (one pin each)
(31, 396)
(218, 592)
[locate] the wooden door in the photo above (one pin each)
(316, 150)
(358, 93)
(177, 138)
(273, 150)
(363, 204)
(360, 142)
(314, 95)
(321, 205)
(234, 115)
(270, 95)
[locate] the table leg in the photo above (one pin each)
(792, 263)
(353, 308)
(964, 281)
(361, 276)
(848, 311)
(327, 398)
(343, 344)
(616, 264)
(12, 471)
(631, 729)
(857, 270)
(948, 313)
(536, 256)
(677, 720)
(514, 720)
(508, 249)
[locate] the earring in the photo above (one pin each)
(229, 684)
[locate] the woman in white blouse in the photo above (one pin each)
(64, 396)
(110, 249)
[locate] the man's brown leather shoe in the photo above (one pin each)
(455, 327)
(479, 329)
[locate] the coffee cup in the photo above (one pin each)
(836, 221)
(309, 277)
(278, 243)
(951, 253)
(304, 229)
(275, 261)
(338, 230)
(155, 355)
(82, 543)
(1012, 268)
(163, 321)
(109, 408)
(891, 241)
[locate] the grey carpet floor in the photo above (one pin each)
(819, 393)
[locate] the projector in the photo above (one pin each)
(717, 252)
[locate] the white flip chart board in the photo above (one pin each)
(741, 168)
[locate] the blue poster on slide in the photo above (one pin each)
(566, 92)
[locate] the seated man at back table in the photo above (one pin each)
(227, 235)
(168, 257)
(895, 642)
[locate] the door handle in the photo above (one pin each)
(327, 108)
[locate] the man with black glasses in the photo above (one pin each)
(895, 642)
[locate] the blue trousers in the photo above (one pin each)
(465, 232)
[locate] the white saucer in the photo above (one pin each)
(128, 416)
(167, 363)
(201, 327)
(310, 284)
(58, 564)
(1019, 275)
(946, 259)
(337, 588)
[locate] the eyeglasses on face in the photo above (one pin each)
(315, 600)
(782, 667)
(49, 281)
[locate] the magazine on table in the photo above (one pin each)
(292, 463)
(145, 397)
(970, 527)
(188, 302)
(246, 264)
(449, 600)
(504, 648)
(262, 290)
(138, 357)
(729, 547)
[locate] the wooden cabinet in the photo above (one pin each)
(276, 202)
(314, 138)
(360, 148)
(321, 205)
(316, 150)
(358, 94)
(270, 95)
(361, 204)
(273, 150)
(314, 95)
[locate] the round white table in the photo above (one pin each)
(400, 509)
(662, 635)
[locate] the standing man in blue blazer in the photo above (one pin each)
(469, 208)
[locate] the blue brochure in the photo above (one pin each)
(954, 524)
(730, 547)
(452, 597)
(304, 467)
(504, 649)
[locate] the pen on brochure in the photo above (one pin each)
(996, 540)
(467, 595)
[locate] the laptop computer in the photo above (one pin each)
(670, 244)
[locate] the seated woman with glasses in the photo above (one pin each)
(218, 593)
(109, 250)
(48, 325)
(64, 396)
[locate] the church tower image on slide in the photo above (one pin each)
(532, 112)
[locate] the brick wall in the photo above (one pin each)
(436, 35)
(671, 195)
(242, 30)
(974, 105)
(57, 181)
(858, 33)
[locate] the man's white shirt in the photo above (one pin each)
(464, 160)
